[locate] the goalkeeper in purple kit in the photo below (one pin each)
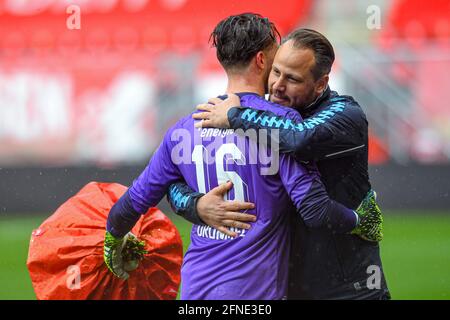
(253, 265)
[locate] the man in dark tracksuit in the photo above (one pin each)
(334, 134)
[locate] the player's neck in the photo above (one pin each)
(238, 84)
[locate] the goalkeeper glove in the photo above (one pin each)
(370, 225)
(122, 255)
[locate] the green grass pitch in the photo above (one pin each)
(415, 252)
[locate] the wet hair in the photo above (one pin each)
(319, 44)
(239, 38)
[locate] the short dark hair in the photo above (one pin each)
(319, 44)
(239, 38)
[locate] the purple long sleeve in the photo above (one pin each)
(122, 217)
(146, 191)
(309, 196)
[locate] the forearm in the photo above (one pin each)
(333, 216)
(328, 133)
(122, 217)
(246, 119)
(319, 211)
(183, 201)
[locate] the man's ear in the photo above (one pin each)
(261, 60)
(322, 84)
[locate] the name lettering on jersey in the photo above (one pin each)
(214, 234)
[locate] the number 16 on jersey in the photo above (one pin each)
(226, 152)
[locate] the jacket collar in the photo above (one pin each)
(316, 103)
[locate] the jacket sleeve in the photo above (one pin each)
(338, 130)
(183, 200)
(145, 192)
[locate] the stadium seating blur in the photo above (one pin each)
(67, 96)
(423, 32)
(134, 67)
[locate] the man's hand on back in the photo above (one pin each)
(215, 112)
(221, 214)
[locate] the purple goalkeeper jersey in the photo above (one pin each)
(255, 264)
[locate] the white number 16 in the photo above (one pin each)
(227, 149)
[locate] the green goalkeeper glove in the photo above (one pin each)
(370, 226)
(122, 255)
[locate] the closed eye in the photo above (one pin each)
(292, 79)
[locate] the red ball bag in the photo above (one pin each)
(65, 258)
